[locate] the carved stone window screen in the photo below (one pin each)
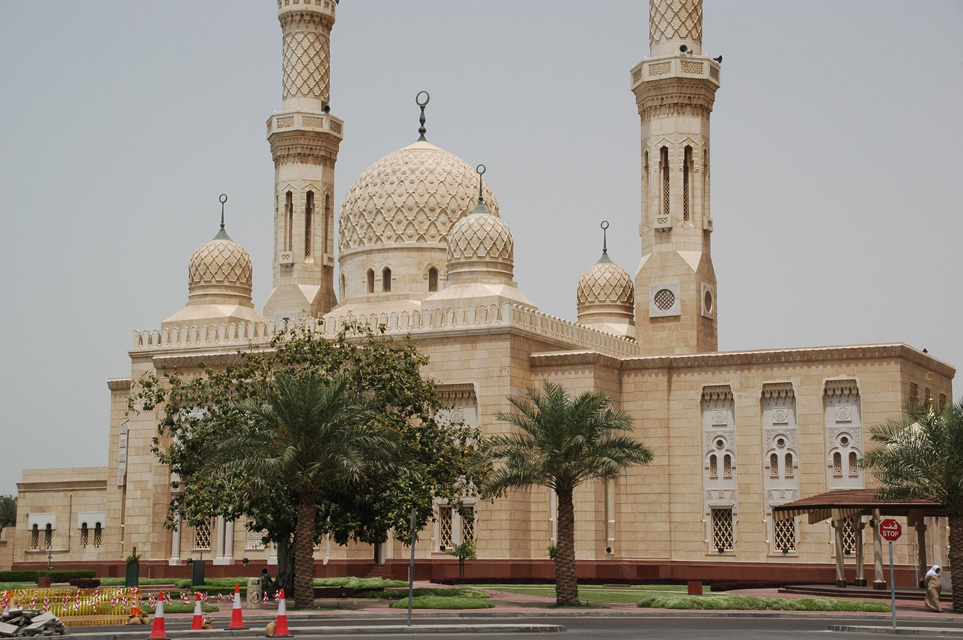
(202, 536)
(468, 527)
(444, 526)
(722, 530)
(784, 535)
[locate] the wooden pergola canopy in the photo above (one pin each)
(843, 503)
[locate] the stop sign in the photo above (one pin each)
(890, 529)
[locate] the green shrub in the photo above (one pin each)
(359, 584)
(441, 602)
(56, 575)
(395, 594)
(180, 607)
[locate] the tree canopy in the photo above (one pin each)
(564, 442)
(8, 511)
(205, 414)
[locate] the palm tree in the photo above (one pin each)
(921, 455)
(564, 442)
(316, 432)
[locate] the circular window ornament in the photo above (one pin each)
(781, 442)
(844, 441)
(720, 443)
(707, 301)
(664, 299)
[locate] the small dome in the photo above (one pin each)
(412, 196)
(481, 249)
(605, 284)
(220, 272)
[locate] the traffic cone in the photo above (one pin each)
(157, 632)
(237, 620)
(198, 622)
(281, 630)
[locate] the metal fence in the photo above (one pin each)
(77, 607)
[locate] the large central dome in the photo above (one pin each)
(412, 196)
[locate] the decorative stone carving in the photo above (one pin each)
(414, 195)
(481, 237)
(675, 20)
(605, 283)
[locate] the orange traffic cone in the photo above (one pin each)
(237, 620)
(157, 632)
(281, 630)
(198, 622)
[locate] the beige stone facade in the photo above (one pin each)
(734, 434)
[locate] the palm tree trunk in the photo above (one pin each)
(304, 551)
(566, 582)
(956, 560)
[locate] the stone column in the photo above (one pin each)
(879, 581)
(860, 577)
(176, 543)
(840, 566)
(921, 544)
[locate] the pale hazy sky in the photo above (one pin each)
(836, 178)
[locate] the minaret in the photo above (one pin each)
(675, 286)
(304, 141)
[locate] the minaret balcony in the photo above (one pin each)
(287, 121)
(676, 66)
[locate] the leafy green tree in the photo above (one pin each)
(563, 443)
(920, 455)
(8, 511)
(200, 414)
(316, 432)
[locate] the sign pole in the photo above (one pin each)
(892, 583)
(411, 569)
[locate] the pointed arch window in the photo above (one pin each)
(664, 171)
(370, 280)
(433, 279)
(98, 535)
(48, 537)
(386, 280)
(289, 221)
(687, 184)
(308, 223)
(35, 537)
(84, 535)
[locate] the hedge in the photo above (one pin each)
(56, 575)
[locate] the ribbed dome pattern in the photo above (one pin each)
(220, 267)
(414, 195)
(605, 283)
(481, 237)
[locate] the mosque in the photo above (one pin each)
(422, 249)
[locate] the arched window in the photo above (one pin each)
(713, 466)
(308, 223)
(838, 464)
(686, 183)
(664, 171)
(48, 537)
(343, 285)
(289, 221)
(35, 537)
(386, 280)
(645, 183)
(789, 469)
(98, 535)
(853, 465)
(325, 224)
(773, 466)
(433, 279)
(84, 535)
(727, 466)
(370, 280)
(705, 184)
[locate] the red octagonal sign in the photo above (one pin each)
(890, 529)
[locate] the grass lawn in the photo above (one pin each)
(442, 602)
(755, 603)
(592, 593)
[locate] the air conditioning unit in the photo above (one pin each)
(286, 257)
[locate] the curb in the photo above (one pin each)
(900, 631)
(344, 630)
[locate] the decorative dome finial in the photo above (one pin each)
(418, 101)
(480, 207)
(605, 248)
(222, 234)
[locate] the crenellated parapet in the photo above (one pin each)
(461, 319)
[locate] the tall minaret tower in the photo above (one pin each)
(675, 286)
(304, 141)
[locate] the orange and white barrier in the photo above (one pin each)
(281, 628)
(237, 619)
(198, 622)
(157, 632)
